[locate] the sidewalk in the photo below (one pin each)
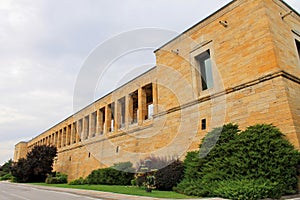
(116, 196)
(105, 195)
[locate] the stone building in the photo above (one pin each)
(240, 64)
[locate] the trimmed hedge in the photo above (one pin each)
(80, 181)
(57, 178)
(112, 175)
(6, 177)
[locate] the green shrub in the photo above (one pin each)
(259, 152)
(112, 176)
(80, 181)
(57, 178)
(140, 179)
(133, 182)
(6, 177)
(169, 176)
(247, 189)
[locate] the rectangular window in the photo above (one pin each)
(298, 47)
(205, 68)
(203, 124)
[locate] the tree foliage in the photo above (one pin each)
(5, 168)
(259, 153)
(169, 176)
(36, 166)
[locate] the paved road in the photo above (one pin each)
(10, 191)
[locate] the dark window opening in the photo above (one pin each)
(133, 107)
(205, 68)
(203, 124)
(59, 138)
(101, 120)
(56, 139)
(111, 119)
(64, 136)
(74, 132)
(148, 101)
(298, 48)
(117, 149)
(121, 112)
(94, 124)
(80, 129)
(69, 134)
(86, 127)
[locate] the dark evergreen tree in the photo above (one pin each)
(5, 168)
(36, 166)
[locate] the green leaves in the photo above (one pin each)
(36, 166)
(112, 175)
(260, 152)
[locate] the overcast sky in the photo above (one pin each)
(44, 43)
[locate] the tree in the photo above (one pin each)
(169, 176)
(21, 170)
(5, 168)
(36, 166)
(257, 163)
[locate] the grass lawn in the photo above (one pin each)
(121, 189)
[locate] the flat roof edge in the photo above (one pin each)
(200, 22)
(131, 80)
(214, 13)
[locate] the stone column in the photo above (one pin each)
(155, 98)
(128, 110)
(108, 119)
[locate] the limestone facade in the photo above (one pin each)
(240, 65)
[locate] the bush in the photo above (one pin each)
(168, 177)
(140, 179)
(247, 189)
(259, 152)
(6, 177)
(112, 176)
(57, 178)
(80, 181)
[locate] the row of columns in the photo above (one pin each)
(117, 115)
